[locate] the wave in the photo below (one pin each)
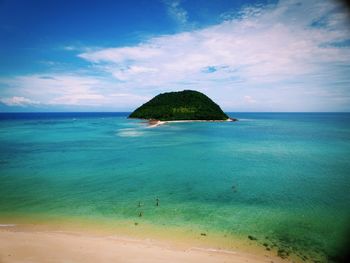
(246, 119)
(130, 132)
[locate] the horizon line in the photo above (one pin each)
(13, 112)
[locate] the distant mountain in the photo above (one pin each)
(182, 105)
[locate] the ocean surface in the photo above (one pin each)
(282, 178)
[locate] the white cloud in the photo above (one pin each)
(18, 101)
(178, 13)
(279, 54)
(68, 89)
(117, 55)
(70, 48)
(272, 46)
(249, 99)
(59, 88)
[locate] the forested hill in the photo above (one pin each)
(182, 105)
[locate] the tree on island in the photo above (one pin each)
(182, 105)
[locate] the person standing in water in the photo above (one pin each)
(157, 201)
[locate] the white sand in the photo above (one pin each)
(34, 245)
(155, 123)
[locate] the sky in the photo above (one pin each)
(248, 56)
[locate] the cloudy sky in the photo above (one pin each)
(287, 55)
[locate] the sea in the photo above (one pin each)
(279, 179)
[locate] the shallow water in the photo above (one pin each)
(282, 178)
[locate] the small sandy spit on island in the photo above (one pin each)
(33, 243)
(154, 123)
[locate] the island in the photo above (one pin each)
(187, 105)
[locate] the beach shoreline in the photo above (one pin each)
(58, 241)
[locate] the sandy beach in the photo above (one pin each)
(35, 243)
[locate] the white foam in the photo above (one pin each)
(247, 119)
(130, 132)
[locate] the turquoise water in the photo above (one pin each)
(280, 177)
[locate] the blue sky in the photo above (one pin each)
(286, 55)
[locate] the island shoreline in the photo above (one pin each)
(155, 123)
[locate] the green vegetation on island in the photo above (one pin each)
(182, 105)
